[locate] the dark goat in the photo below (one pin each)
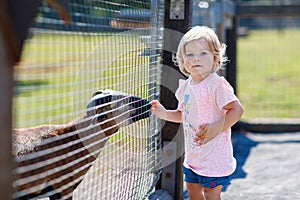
(39, 150)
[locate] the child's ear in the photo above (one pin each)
(217, 61)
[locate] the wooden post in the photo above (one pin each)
(231, 42)
(176, 22)
(230, 28)
(6, 93)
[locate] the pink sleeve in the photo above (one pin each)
(179, 94)
(224, 94)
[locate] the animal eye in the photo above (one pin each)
(102, 116)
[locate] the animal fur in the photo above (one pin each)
(39, 150)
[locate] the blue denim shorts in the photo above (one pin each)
(210, 182)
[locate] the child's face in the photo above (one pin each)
(198, 59)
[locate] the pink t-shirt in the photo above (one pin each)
(203, 103)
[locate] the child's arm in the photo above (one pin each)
(169, 115)
(209, 131)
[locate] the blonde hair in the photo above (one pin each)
(215, 46)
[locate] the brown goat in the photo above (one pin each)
(41, 150)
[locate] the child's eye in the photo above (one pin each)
(203, 53)
(190, 55)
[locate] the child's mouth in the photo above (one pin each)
(197, 66)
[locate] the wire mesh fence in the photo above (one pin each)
(82, 128)
(268, 67)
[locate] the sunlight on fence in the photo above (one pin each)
(81, 102)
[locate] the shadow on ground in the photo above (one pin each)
(242, 146)
(271, 158)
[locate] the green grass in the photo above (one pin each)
(48, 88)
(268, 74)
(59, 73)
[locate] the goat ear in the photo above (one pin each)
(98, 92)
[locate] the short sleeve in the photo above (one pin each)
(224, 93)
(179, 94)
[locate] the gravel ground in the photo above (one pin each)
(268, 167)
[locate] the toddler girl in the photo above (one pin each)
(207, 108)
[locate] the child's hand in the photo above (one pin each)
(158, 109)
(207, 132)
(201, 135)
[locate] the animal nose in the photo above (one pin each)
(141, 106)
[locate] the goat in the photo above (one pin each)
(39, 150)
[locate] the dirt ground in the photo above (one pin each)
(268, 167)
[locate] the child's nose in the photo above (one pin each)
(197, 58)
